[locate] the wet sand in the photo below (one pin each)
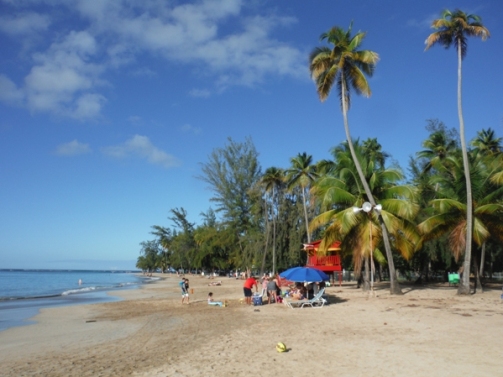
(428, 331)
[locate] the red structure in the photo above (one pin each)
(329, 263)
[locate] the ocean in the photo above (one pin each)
(24, 292)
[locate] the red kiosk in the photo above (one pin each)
(329, 263)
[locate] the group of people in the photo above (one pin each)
(184, 286)
(271, 286)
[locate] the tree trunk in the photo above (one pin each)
(482, 259)
(306, 220)
(464, 285)
(273, 234)
(394, 286)
(366, 276)
(477, 283)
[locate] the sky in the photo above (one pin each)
(108, 108)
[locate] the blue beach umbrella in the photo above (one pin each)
(304, 274)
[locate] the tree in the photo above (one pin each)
(347, 66)
(272, 179)
(487, 143)
(339, 191)
(453, 28)
(449, 215)
(302, 173)
(231, 172)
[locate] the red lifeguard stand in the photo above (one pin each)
(327, 263)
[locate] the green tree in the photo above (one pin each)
(231, 172)
(272, 180)
(450, 218)
(301, 174)
(347, 66)
(486, 143)
(453, 28)
(340, 191)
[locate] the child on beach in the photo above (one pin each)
(185, 293)
(212, 302)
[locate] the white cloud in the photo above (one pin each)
(24, 24)
(66, 77)
(187, 128)
(73, 148)
(202, 93)
(141, 146)
(62, 78)
(9, 92)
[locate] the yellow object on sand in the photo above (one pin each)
(281, 347)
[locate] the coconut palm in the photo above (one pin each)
(273, 179)
(453, 28)
(340, 190)
(438, 146)
(450, 208)
(347, 66)
(301, 174)
(487, 143)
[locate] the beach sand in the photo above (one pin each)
(426, 332)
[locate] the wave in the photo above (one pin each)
(75, 291)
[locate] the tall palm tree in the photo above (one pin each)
(273, 179)
(453, 28)
(340, 190)
(449, 215)
(302, 173)
(347, 66)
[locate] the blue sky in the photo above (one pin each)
(109, 107)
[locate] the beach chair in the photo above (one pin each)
(317, 300)
(453, 279)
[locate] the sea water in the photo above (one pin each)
(24, 292)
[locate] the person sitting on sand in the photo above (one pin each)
(215, 283)
(212, 302)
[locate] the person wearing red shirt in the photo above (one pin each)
(247, 289)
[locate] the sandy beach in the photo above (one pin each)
(426, 332)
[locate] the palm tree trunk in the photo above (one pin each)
(482, 259)
(305, 214)
(262, 268)
(273, 233)
(394, 286)
(464, 286)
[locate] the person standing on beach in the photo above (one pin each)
(247, 289)
(185, 293)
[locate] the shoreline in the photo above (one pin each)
(427, 331)
(16, 312)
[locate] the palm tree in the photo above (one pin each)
(438, 146)
(272, 179)
(449, 215)
(340, 190)
(487, 143)
(347, 66)
(453, 28)
(302, 173)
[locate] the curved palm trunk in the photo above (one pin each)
(464, 286)
(305, 217)
(394, 286)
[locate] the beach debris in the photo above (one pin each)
(281, 347)
(90, 320)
